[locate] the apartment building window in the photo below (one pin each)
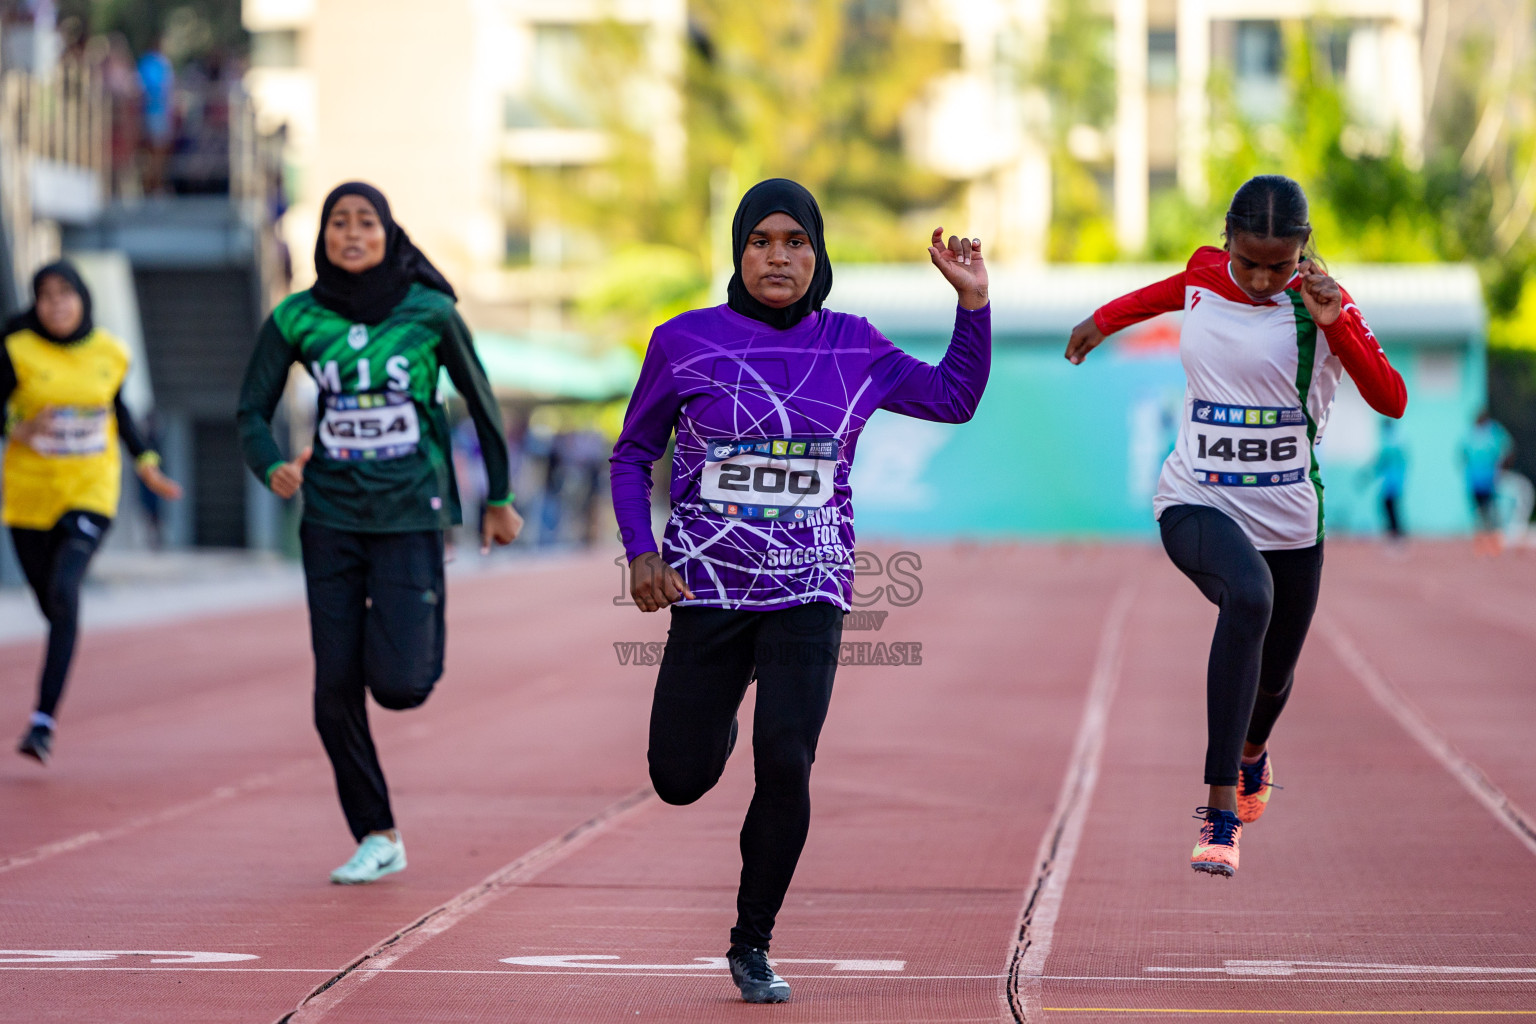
(1258, 50)
(1256, 64)
(1162, 59)
(519, 245)
(1335, 47)
(559, 92)
(275, 49)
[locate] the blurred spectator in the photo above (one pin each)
(1391, 471)
(586, 473)
(546, 443)
(200, 160)
(122, 83)
(1486, 452)
(277, 208)
(73, 38)
(29, 35)
(469, 472)
(157, 82)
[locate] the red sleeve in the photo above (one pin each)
(1350, 338)
(1163, 297)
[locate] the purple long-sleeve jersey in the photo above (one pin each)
(767, 423)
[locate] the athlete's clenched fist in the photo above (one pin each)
(654, 584)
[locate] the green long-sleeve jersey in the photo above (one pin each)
(382, 459)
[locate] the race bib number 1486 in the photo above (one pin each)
(1239, 446)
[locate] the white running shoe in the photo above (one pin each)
(376, 857)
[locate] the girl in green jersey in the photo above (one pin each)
(377, 481)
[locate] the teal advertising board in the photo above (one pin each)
(1059, 451)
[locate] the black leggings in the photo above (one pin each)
(711, 657)
(376, 604)
(1266, 600)
(54, 562)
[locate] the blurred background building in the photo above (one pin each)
(574, 166)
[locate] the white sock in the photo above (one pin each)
(46, 721)
(1256, 759)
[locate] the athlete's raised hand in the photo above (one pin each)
(501, 525)
(962, 266)
(1321, 294)
(286, 479)
(654, 584)
(1086, 337)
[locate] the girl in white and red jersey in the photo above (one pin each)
(1266, 336)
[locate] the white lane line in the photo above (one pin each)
(1413, 721)
(1288, 968)
(260, 781)
(1159, 979)
(434, 922)
(714, 978)
(1058, 847)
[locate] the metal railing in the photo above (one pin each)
(255, 176)
(64, 120)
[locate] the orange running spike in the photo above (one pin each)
(1255, 783)
(1216, 852)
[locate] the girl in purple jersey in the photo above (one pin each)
(767, 394)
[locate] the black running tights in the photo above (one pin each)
(711, 657)
(54, 562)
(1266, 600)
(376, 605)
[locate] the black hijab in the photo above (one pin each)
(28, 319)
(370, 296)
(779, 195)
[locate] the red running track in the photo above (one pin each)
(1000, 833)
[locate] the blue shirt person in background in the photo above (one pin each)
(157, 84)
(1485, 452)
(1391, 471)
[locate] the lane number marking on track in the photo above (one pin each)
(157, 956)
(706, 963)
(1290, 968)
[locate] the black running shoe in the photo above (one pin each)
(751, 973)
(37, 743)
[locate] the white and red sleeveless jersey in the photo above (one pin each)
(1261, 380)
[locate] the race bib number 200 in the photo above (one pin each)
(773, 478)
(374, 426)
(1243, 446)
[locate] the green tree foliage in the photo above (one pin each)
(190, 28)
(1076, 72)
(1371, 199)
(814, 90)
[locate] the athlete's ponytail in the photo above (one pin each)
(1273, 206)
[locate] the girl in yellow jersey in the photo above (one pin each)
(61, 384)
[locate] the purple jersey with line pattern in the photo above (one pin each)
(767, 424)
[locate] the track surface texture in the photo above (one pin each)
(1000, 833)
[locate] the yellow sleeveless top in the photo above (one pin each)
(73, 464)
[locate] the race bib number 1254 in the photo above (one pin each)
(373, 426)
(773, 478)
